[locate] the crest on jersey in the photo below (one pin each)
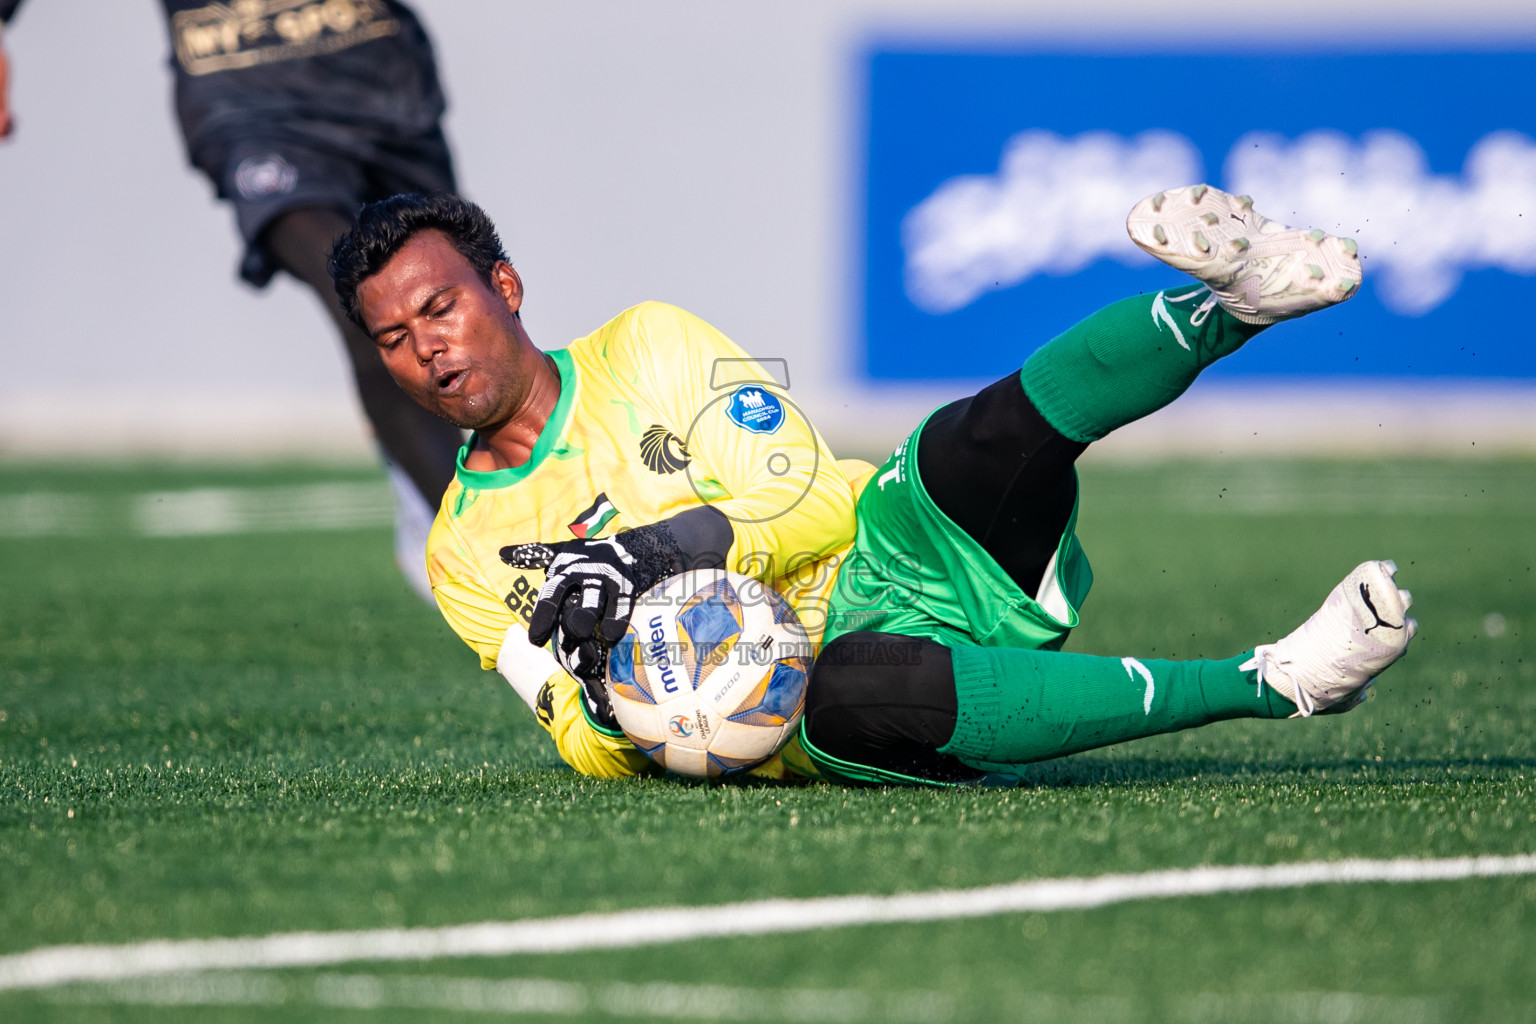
(663, 451)
(591, 522)
(756, 409)
(544, 706)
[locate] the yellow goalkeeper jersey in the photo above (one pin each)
(658, 412)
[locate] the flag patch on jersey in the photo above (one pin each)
(756, 409)
(596, 516)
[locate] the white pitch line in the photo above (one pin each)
(202, 512)
(61, 965)
(659, 1000)
(536, 996)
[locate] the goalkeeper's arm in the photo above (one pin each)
(560, 704)
(555, 698)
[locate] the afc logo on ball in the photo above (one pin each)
(684, 726)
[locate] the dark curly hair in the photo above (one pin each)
(382, 228)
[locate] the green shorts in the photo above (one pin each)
(913, 572)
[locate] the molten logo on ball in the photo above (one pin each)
(695, 682)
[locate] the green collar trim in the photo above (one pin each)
(484, 481)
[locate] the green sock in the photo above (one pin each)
(1017, 705)
(1128, 360)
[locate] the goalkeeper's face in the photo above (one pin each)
(451, 339)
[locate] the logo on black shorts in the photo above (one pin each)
(267, 175)
(663, 451)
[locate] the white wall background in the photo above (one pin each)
(699, 152)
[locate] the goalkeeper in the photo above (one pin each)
(942, 606)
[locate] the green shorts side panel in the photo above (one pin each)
(912, 571)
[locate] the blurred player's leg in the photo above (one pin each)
(422, 445)
(413, 525)
(417, 445)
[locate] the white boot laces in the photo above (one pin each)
(1203, 311)
(1265, 666)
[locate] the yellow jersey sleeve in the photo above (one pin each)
(584, 746)
(482, 621)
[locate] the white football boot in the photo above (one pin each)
(1326, 664)
(1259, 270)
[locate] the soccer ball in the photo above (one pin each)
(709, 679)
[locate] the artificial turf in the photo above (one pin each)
(252, 733)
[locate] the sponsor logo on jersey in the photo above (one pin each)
(592, 520)
(266, 175)
(663, 451)
(521, 598)
(244, 33)
(753, 408)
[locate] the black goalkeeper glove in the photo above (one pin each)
(590, 586)
(584, 658)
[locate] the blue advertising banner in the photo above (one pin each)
(998, 183)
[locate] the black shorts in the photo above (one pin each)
(350, 115)
(266, 177)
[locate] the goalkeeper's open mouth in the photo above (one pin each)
(451, 382)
